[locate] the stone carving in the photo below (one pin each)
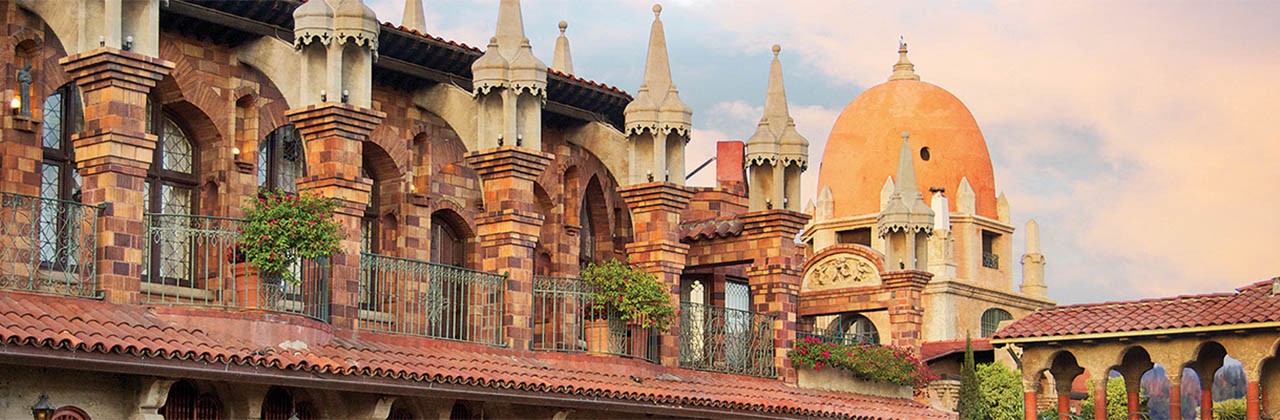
(841, 271)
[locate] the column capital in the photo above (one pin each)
(111, 67)
(785, 223)
(654, 196)
(519, 162)
(332, 119)
(908, 279)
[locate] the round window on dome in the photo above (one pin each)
(924, 153)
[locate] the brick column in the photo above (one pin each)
(113, 155)
(1029, 406)
(906, 311)
(774, 277)
(655, 215)
(1252, 408)
(1100, 396)
(20, 155)
(1175, 398)
(508, 230)
(334, 134)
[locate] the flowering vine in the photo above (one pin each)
(868, 362)
(281, 228)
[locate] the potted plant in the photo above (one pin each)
(595, 328)
(638, 297)
(282, 228)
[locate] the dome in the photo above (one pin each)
(865, 142)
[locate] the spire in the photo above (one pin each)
(657, 105)
(510, 32)
(414, 18)
(903, 70)
(562, 61)
(905, 180)
(1033, 264)
(775, 101)
(1033, 237)
(509, 61)
(906, 209)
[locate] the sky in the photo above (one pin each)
(1135, 133)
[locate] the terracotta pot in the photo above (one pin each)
(597, 335)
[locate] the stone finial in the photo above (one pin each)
(356, 23)
(941, 212)
(826, 204)
(776, 139)
(1033, 263)
(1033, 237)
(657, 106)
(905, 209)
(520, 71)
(312, 22)
(1002, 208)
(966, 199)
(903, 70)
(414, 17)
(562, 61)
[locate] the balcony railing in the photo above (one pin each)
(404, 296)
(48, 245)
(990, 260)
(564, 320)
(726, 340)
(192, 260)
(846, 339)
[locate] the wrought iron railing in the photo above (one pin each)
(990, 260)
(726, 340)
(48, 245)
(195, 260)
(564, 319)
(404, 296)
(847, 339)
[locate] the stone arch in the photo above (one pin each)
(455, 106)
(185, 84)
(594, 205)
(386, 196)
(278, 63)
(267, 100)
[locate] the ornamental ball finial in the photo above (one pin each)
(657, 10)
(776, 49)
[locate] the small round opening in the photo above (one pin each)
(924, 153)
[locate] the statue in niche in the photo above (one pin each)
(24, 89)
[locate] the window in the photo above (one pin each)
(852, 328)
(279, 405)
(586, 237)
(69, 413)
(447, 246)
(989, 257)
(369, 223)
(860, 236)
(281, 160)
(170, 190)
(59, 180)
(184, 403)
(991, 320)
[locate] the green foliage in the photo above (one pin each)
(1001, 391)
(969, 403)
(1117, 401)
(638, 296)
(865, 361)
(280, 228)
(1232, 409)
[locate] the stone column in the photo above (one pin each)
(508, 230)
(113, 155)
(906, 311)
(655, 216)
(1100, 396)
(1175, 397)
(775, 276)
(334, 134)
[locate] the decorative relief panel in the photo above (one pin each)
(841, 271)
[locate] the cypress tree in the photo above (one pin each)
(969, 405)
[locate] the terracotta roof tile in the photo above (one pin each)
(935, 349)
(710, 229)
(85, 325)
(1250, 304)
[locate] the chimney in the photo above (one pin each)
(730, 175)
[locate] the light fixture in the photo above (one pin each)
(102, 41)
(235, 151)
(128, 43)
(43, 410)
(413, 188)
(15, 104)
(346, 94)
(499, 140)
(519, 139)
(649, 174)
(768, 204)
(667, 176)
(324, 96)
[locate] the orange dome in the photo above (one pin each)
(864, 145)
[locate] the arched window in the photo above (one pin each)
(69, 413)
(170, 190)
(448, 247)
(279, 405)
(991, 320)
(59, 180)
(369, 230)
(281, 160)
(586, 238)
(185, 403)
(853, 328)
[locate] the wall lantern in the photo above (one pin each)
(43, 410)
(15, 104)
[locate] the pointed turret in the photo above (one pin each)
(657, 106)
(414, 18)
(776, 150)
(657, 121)
(563, 60)
(355, 22)
(903, 70)
(906, 221)
(312, 22)
(509, 66)
(1033, 264)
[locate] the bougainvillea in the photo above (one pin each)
(280, 228)
(868, 362)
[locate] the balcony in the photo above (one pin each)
(48, 246)
(192, 260)
(404, 296)
(726, 340)
(564, 320)
(991, 260)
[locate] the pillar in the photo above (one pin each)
(334, 134)
(508, 230)
(113, 155)
(1100, 396)
(1252, 410)
(906, 309)
(1029, 404)
(1206, 397)
(1175, 397)
(775, 276)
(656, 248)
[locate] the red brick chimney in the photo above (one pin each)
(730, 175)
